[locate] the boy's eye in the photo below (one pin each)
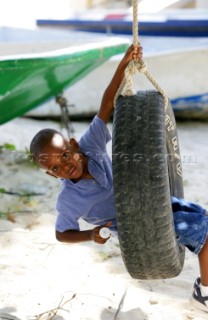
(65, 155)
(55, 169)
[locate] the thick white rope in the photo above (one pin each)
(126, 87)
(135, 26)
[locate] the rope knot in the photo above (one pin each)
(132, 68)
(141, 66)
(135, 67)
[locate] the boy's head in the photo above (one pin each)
(58, 156)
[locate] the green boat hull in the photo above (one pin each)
(27, 81)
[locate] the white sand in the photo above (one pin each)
(38, 273)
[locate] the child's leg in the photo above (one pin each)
(191, 226)
(203, 263)
(200, 293)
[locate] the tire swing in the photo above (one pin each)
(146, 172)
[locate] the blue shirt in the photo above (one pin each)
(89, 199)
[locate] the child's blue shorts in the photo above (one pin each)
(191, 224)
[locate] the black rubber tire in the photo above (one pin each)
(146, 172)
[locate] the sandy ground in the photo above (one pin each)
(43, 279)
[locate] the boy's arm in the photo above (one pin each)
(74, 236)
(107, 103)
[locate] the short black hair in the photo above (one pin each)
(40, 140)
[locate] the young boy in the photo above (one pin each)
(87, 185)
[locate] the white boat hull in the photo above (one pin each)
(178, 64)
(182, 74)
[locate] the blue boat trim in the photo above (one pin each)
(191, 103)
(170, 27)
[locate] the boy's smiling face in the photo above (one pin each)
(62, 159)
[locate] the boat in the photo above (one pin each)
(179, 66)
(29, 87)
(27, 80)
(174, 22)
